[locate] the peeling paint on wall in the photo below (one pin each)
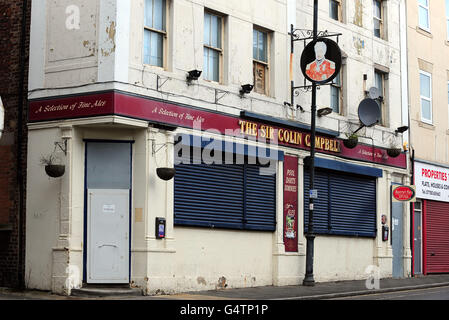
(358, 14)
(359, 45)
(221, 283)
(109, 47)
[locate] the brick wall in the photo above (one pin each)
(10, 41)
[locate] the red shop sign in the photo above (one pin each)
(291, 204)
(404, 193)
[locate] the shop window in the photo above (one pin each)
(260, 61)
(346, 204)
(213, 46)
(423, 15)
(425, 83)
(221, 195)
(155, 32)
(378, 17)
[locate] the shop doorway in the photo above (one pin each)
(397, 238)
(417, 239)
(107, 212)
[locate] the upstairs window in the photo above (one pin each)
(335, 9)
(155, 32)
(425, 82)
(380, 79)
(213, 46)
(336, 93)
(378, 18)
(260, 61)
(423, 14)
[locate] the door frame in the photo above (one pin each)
(413, 237)
(391, 228)
(85, 209)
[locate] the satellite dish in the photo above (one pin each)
(374, 93)
(369, 112)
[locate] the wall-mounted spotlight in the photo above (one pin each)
(193, 75)
(300, 108)
(246, 89)
(324, 112)
(401, 129)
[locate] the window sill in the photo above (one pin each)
(426, 125)
(424, 32)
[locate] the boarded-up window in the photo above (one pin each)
(259, 77)
(260, 58)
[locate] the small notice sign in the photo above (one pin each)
(109, 208)
(403, 194)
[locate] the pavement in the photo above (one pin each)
(321, 291)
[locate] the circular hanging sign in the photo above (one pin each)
(321, 61)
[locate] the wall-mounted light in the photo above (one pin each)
(324, 112)
(401, 129)
(246, 89)
(193, 75)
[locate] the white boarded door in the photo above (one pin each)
(108, 236)
(108, 193)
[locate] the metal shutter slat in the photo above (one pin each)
(437, 224)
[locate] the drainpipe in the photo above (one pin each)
(20, 220)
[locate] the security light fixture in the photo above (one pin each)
(324, 112)
(401, 129)
(246, 89)
(193, 75)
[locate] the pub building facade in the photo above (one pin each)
(234, 214)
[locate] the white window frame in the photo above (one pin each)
(426, 98)
(220, 51)
(428, 15)
(264, 63)
(380, 19)
(161, 32)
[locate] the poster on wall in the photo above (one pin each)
(432, 182)
(291, 204)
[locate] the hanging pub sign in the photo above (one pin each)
(321, 61)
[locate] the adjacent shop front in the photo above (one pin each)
(431, 219)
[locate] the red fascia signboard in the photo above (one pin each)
(138, 107)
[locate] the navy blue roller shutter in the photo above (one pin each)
(260, 198)
(346, 204)
(353, 205)
(225, 196)
(209, 195)
(321, 205)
